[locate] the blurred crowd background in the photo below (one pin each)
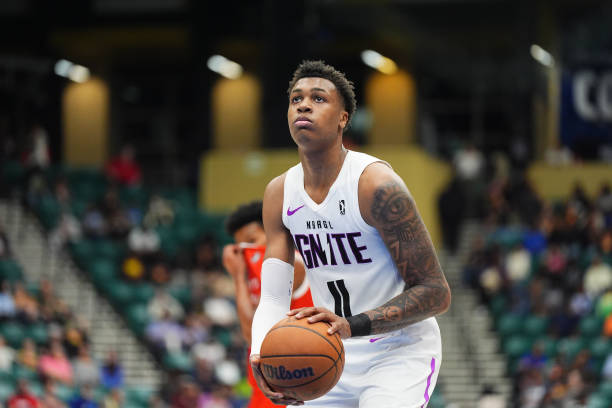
(129, 129)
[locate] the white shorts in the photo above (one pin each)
(391, 370)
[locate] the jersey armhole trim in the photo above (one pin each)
(357, 216)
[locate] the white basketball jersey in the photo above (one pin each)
(348, 265)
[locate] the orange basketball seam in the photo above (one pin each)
(311, 330)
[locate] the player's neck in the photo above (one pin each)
(322, 168)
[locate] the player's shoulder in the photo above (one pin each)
(276, 185)
(377, 174)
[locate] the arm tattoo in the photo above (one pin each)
(401, 228)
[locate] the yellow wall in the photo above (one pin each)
(85, 115)
(554, 182)
(228, 179)
(392, 101)
(236, 113)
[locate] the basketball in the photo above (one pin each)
(300, 359)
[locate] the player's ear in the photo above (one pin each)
(343, 119)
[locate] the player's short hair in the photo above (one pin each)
(319, 69)
(243, 215)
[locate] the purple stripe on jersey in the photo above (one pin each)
(433, 368)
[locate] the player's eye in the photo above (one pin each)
(318, 98)
(296, 99)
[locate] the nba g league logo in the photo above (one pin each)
(342, 207)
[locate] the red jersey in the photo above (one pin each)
(23, 401)
(254, 257)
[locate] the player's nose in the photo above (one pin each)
(304, 107)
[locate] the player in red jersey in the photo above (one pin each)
(243, 261)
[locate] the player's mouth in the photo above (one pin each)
(302, 122)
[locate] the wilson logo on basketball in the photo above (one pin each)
(281, 373)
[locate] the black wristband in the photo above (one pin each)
(360, 325)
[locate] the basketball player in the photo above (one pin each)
(370, 262)
(243, 262)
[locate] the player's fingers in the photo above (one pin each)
(321, 317)
(293, 312)
(307, 311)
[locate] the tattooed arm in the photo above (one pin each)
(386, 204)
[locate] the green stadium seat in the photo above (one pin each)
(535, 326)
(591, 327)
(498, 306)
(597, 401)
(13, 333)
(107, 249)
(178, 361)
(548, 345)
(570, 347)
(36, 388)
(10, 270)
(6, 390)
(63, 392)
(83, 252)
(143, 292)
(21, 371)
(181, 293)
(139, 396)
(509, 324)
(605, 389)
(49, 212)
(121, 293)
(138, 318)
(517, 346)
(37, 332)
(102, 270)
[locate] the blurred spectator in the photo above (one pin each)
(606, 371)
(491, 399)
(55, 365)
(28, 356)
(160, 274)
(23, 398)
(163, 304)
(111, 374)
(160, 212)
(48, 398)
(116, 217)
(598, 278)
(7, 356)
(35, 160)
(52, 308)
(7, 303)
(165, 333)
(143, 240)
(186, 395)
(68, 228)
(84, 398)
(26, 304)
(469, 162)
(75, 336)
(94, 223)
(114, 399)
(5, 249)
(451, 208)
(196, 329)
(123, 168)
(133, 268)
(604, 203)
(86, 370)
(518, 264)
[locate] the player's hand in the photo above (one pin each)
(233, 261)
(320, 314)
(275, 397)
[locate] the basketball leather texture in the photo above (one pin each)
(300, 360)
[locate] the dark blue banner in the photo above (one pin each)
(586, 109)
